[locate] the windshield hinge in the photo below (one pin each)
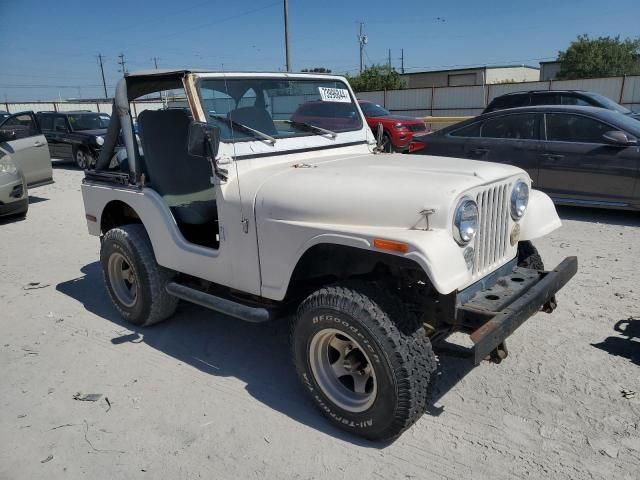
(245, 225)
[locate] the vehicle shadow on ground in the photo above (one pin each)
(12, 219)
(257, 354)
(599, 215)
(627, 343)
(64, 165)
(33, 199)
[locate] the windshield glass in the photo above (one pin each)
(278, 107)
(88, 121)
(373, 110)
(609, 104)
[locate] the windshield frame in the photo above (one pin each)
(200, 78)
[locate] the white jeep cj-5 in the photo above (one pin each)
(263, 195)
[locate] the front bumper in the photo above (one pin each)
(494, 308)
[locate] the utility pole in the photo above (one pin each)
(389, 60)
(402, 60)
(104, 83)
(362, 41)
(122, 63)
(286, 34)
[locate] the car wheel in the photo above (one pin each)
(134, 280)
(366, 362)
(82, 158)
(528, 257)
(387, 145)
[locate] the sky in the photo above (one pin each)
(48, 49)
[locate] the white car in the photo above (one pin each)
(22, 139)
(241, 206)
(14, 198)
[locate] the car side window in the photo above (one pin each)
(509, 101)
(472, 130)
(46, 122)
(60, 125)
(522, 126)
(22, 124)
(571, 100)
(545, 99)
(563, 127)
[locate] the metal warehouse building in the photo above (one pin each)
(472, 76)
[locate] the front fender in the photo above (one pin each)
(434, 251)
(541, 217)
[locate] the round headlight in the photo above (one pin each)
(519, 200)
(100, 140)
(465, 221)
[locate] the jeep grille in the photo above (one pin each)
(492, 238)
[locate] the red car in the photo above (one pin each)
(398, 130)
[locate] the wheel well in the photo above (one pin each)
(328, 263)
(117, 213)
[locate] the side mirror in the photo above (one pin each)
(617, 137)
(7, 135)
(203, 141)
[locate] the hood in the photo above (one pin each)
(388, 190)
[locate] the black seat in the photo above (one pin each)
(184, 181)
(254, 117)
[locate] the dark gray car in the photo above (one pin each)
(578, 155)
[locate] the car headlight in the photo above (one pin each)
(7, 166)
(100, 140)
(465, 221)
(399, 126)
(519, 200)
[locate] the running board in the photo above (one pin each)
(219, 304)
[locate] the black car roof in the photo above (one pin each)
(526, 92)
(610, 116)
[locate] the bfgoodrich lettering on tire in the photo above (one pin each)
(135, 282)
(364, 360)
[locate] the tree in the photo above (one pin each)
(599, 57)
(316, 70)
(376, 77)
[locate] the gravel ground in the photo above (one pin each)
(204, 396)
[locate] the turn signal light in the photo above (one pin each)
(390, 245)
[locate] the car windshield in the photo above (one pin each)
(88, 121)
(278, 108)
(609, 104)
(373, 110)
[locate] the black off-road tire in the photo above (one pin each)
(396, 342)
(152, 303)
(528, 256)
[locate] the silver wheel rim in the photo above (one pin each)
(81, 159)
(342, 370)
(122, 278)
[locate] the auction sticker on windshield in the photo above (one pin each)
(334, 95)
